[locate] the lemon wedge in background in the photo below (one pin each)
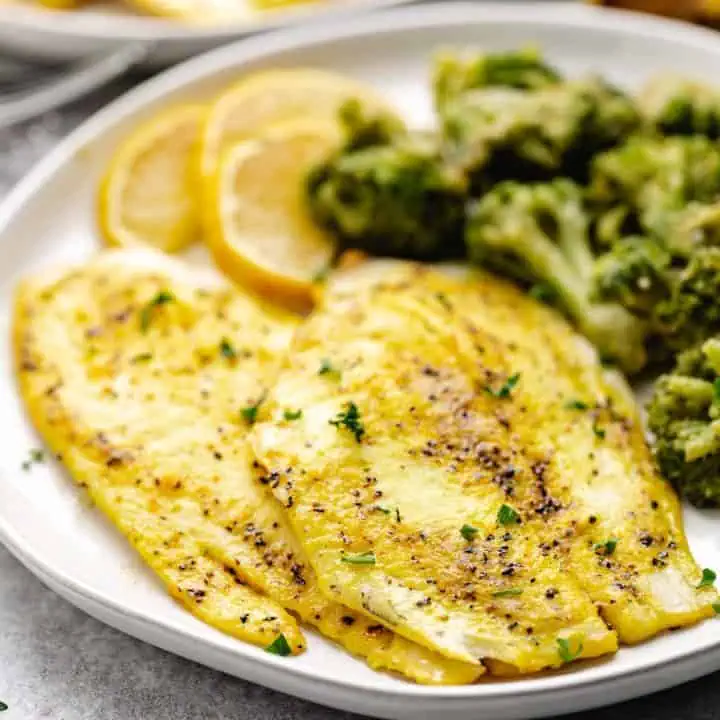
(62, 4)
(258, 228)
(149, 195)
(196, 12)
(209, 12)
(266, 98)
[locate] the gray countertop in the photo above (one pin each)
(58, 663)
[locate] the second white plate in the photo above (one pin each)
(50, 219)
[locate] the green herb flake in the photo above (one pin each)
(599, 432)
(708, 578)
(366, 558)
(35, 456)
(321, 275)
(442, 299)
(569, 649)
(716, 608)
(3, 706)
(249, 413)
(507, 515)
(279, 646)
(292, 414)
(141, 358)
(510, 592)
(506, 389)
(383, 509)
(576, 405)
(146, 314)
(227, 350)
(468, 532)
(350, 419)
(326, 368)
(606, 548)
(397, 515)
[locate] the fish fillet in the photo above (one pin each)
(144, 380)
(436, 415)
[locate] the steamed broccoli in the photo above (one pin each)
(692, 312)
(455, 73)
(501, 133)
(646, 185)
(400, 199)
(675, 105)
(635, 273)
(684, 417)
(537, 234)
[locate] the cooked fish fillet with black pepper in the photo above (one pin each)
(145, 379)
(466, 503)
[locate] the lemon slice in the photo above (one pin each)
(148, 195)
(259, 229)
(274, 96)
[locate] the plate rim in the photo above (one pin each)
(706, 658)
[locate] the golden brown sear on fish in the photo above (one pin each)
(145, 380)
(484, 484)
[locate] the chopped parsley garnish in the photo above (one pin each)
(292, 414)
(227, 350)
(569, 649)
(507, 515)
(146, 314)
(326, 368)
(506, 389)
(350, 419)
(716, 608)
(35, 456)
(279, 646)
(142, 357)
(510, 592)
(468, 532)
(3, 706)
(708, 578)
(249, 413)
(383, 509)
(576, 405)
(606, 548)
(366, 558)
(599, 432)
(397, 515)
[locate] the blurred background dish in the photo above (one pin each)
(706, 11)
(173, 29)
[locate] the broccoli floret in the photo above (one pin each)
(505, 133)
(400, 199)
(455, 73)
(692, 312)
(675, 105)
(647, 184)
(362, 129)
(635, 273)
(538, 235)
(684, 418)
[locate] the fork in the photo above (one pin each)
(29, 88)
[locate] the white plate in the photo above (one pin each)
(30, 29)
(44, 520)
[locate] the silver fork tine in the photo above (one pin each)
(28, 90)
